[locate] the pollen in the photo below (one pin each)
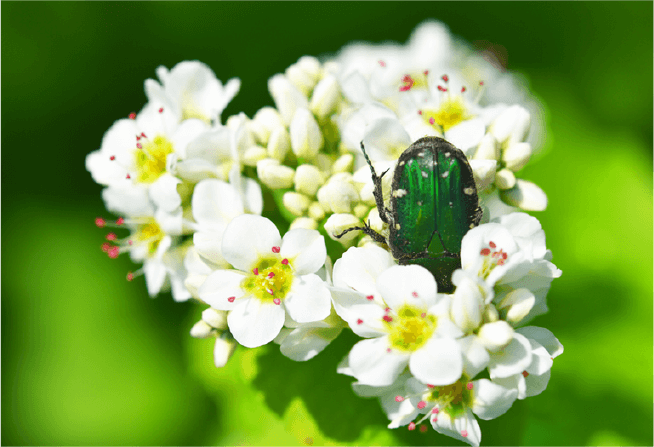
(411, 328)
(151, 157)
(451, 112)
(270, 280)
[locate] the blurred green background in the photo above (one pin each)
(88, 358)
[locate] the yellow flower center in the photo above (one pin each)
(270, 280)
(451, 112)
(410, 329)
(454, 398)
(149, 233)
(151, 158)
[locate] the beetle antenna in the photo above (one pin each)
(367, 230)
(384, 213)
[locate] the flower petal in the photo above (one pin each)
(439, 362)
(248, 237)
(163, 192)
(492, 400)
(155, 276)
(254, 322)
(359, 268)
(513, 359)
(407, 285)
(215, 203)
(305, 250)
(304, 343)
(219, 287)
(466, 423)
(308, 300)
(372, 364)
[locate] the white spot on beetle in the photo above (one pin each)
(421, 154)
(401, 163)
(451, 204)
(435, 163)
(447, 154)
(419, 202)
(424, 174)
(400, 193)
(397, 226)
(445, 174)
(468, 191)
(472, 226)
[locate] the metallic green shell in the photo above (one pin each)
(433, 205)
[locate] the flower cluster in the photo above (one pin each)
(190, 191)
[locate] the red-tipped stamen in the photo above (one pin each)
(132, 116)
(231, 299)
(113, 252)
(412, 426)
(277, 301)
(100, 222)
(275, 249)
(399, 398)
(111, 237)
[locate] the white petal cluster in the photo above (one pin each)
(191, 190)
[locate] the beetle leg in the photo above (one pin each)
(384, 213)
(367, 230)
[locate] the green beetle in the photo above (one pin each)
(433, 205)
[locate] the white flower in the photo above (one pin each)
(275, 277)
(451, 409)
(407, 322)
(137, 158)
(534, 379)
(191, 90)
(301, 342)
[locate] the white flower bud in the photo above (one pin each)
(304, 222)
(201, 329)
(512, 124)
(324, 163)
(316, 211)
(488, 149)
(467, 302)
(325, 97)
(300, 79)
(505, 179)
(343, 163)
(308, 179)
(215, 318)
(484, 173)
(517, 155)
(296, 203)
(265, 120)
(279, 143)
(310, 65)
(375, 221)
(495, 336)
(306, 137)
(338, 195)
(287, 98)
(518, 303)
(274, 175)
(366, 193)
(525, 195)
(337, 223)
(361, 210)
(331, 67)
(253, 155)
(222, 351)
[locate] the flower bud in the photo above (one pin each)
(306, 138)
(310, 66)
(279, 143)
(484, 173)
(316, 211)
(286, 96)
(201, 329)
(222, 351)
(511, 125)
(274, 175)
(495, 336)
(517, 304)
(296, 203)
(505, 179)
(361, 210)
(467, 302)
(253, 155)
(265, 120)
(300, 79)
(308, 179)
(525, 195)
(375, 221)
(487, 149)
(215, 318)
(343, 163)
(304, 222)
(338, 195)
(325, 97)
(517, 155)
(337, 223)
